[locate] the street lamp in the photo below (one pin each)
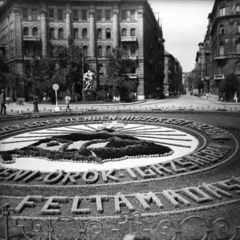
(35, 101)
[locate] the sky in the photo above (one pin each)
(184, 24)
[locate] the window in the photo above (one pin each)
(35, 31)
(108, 50)
(60, 33)
(237, 68)
(25, 13)
(99, 15)
(108, 14)
(84, 33)
(27, 69)
(238, 9)
(52, 33)
(222, 11)
(99, 51)
(124, 15)
(51, 13)
(60, 14)
(35, 51)
(238, 48)
(108, 33)
(75, 15)
(221, 49)
(85, 51)
(25, 31)
(99, 33)
(34, 13)
(238, 28)
(124, 32)
(133, 32)
(132, 15)
(133, 51)
(84, 14)
(221, 30)
(75, 33)
(26, 51)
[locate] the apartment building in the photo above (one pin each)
(96, 26)
(219, 54)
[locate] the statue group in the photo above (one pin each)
(88, 80)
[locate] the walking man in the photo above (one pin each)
(67, 100)
(3, 102)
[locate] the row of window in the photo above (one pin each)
(222, 29)
(77, 14)
(222, 10)
(34, 31)
(222, 49)
(60, 33)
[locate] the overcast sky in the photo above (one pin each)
(184, 24)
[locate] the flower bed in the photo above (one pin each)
(117, 148)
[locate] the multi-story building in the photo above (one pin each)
(220, 52)
(173, 75)
(202, 66)
(96, 26)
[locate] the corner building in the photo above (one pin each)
(224, 37)
(96, 26)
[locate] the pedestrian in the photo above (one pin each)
(67, 100)
(3, 102)
(235, 97)
(207, 95)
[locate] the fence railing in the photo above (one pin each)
(133, 108)
(148, 227)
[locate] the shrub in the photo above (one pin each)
(88, 95)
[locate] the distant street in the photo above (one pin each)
(181, 101)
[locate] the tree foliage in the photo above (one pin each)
(43, 72)
(194, 80)
(69, 66)
(229, 86)
(62, 66)
(118, 66)
(3, 71)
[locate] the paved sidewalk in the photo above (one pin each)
(214, 99)
(183, 101)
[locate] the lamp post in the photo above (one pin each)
(35, 101)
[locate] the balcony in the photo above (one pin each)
(132, 75)
(219, 57)
(218, 77)
(31, 38)
(29, 58)
(133, 58)
(130, 58)
(129, 39)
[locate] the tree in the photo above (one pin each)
(69, 63)
(194, 80)
(229, 86)
(44, 70)
(9, 79)
(4, 69)
(118, 66)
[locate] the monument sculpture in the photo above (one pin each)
(88, 80)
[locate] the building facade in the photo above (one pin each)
(172, 75)
(219, 54)
(96, 26)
